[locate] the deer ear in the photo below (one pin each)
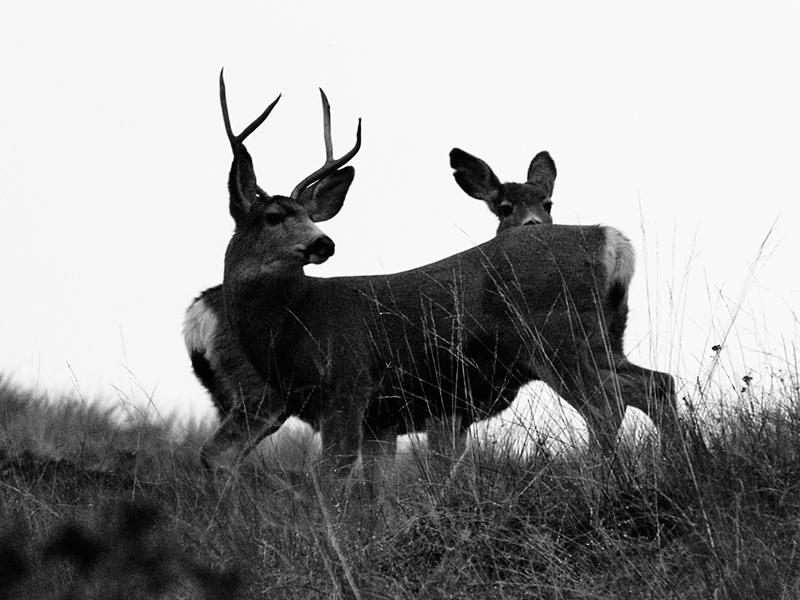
(475, 177)
(242, 184)
(325, 198)
(542, 171)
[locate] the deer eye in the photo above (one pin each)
(506, 209)
(274, 215)
(548, 206)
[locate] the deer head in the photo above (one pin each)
(515, 204)
(279, 232)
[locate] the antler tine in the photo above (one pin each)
(331, 164)
(236, 140)
(326, 126)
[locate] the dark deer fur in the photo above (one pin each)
(218, 361)
(223, 369)
(365, 358)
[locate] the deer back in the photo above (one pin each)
(462, 332)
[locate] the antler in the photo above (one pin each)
(331, 164)
(236, 140)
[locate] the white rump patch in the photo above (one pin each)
(619, 258)
(199, 327)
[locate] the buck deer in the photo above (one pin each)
(217, 358)
(365, 358)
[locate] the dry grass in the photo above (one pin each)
(91, 509)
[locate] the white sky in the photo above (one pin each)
(677, 122)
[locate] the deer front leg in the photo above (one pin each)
(239, 433)
(379, 463)
(341, 431)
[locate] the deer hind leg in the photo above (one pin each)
(652, 392)
(593, 393)
(604, 411)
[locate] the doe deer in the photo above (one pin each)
(368, 357)
(515, 205)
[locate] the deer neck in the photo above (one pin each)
(260, 297)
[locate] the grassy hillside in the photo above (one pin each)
(92, 509)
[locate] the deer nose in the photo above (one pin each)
(533, 221)
(320, 250)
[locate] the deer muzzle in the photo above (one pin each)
(320, 250)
